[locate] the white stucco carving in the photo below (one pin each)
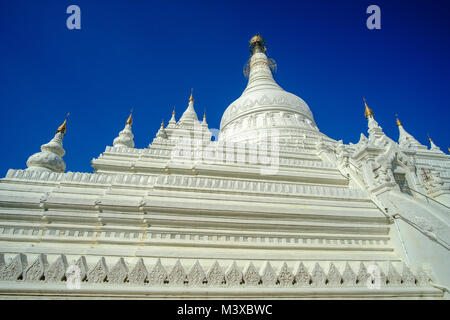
(274, 208)
(125, 138)
(50, 157)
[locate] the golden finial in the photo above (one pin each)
(191, 98)
(173, 112)
(130, 118)
(429, 138)
(62, 128)
(256, 38)
(398, 121)
(257, 44)
(367, 112)
(162, 123)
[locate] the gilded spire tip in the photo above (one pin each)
(257, 44)
(367, 112)
(191, 98)
(62, 128)
(399, 124)
(130, 118)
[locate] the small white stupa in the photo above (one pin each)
(50, 157)
(433, 146)
(125, 138)
(407, 140)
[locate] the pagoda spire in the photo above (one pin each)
(374, 128)
(368, 113)
(259, 67)
(161, 132)
(189, 114)
(50, 157)
(125, 138)
(130, 118)
(204, 124)
(399, 124)
(406, 139)
(172, 120)
(62, 128)
(432, 145)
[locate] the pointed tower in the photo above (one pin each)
(125, 138)
(264, 106)
(433, 146)
(189, 116)
(50, 157)
(405, 139)
(374, 129)
(368, 113)
(204, 124)
(172, 121)
(161, 132)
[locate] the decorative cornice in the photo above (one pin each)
(191, 182)
(184, 274)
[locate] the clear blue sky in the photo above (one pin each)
(147, 55)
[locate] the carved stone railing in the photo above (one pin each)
(82, 178)
(191, 182)
(208, 159)
(248, 186)
(216, 275)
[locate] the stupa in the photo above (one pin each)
(273, 208)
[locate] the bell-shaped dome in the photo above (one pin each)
(50, 157)
(125, 138)
(264, 105)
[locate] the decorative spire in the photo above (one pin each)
(191, 98)
(432, 145)
(161, 132)
(367, 112)
(130, 118)
(399, 124)
(62, 128)
(189, 114)
(204, 119)
(374, 129)
(407, 140)
(50, 157)
(259, 67)
(172, 120)
(125, 138)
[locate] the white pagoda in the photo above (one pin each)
(273, 208)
